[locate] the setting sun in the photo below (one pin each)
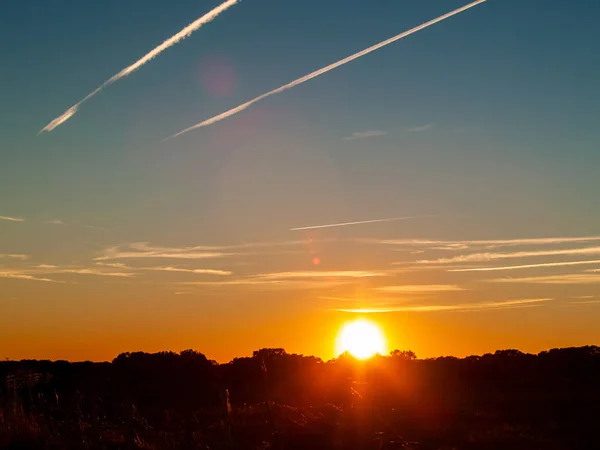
(361, 338)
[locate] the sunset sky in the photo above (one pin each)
(481, 131)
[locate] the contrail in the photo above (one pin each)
(184, 33)
(528, 266)
(316, 73)
(359, 222)
(12, 219)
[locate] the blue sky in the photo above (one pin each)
(488, 119)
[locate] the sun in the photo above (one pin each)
(361, 338)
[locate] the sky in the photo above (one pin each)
(481, 131)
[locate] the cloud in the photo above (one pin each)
(96, 272)
(312, 227)
(199, 271)
(238, 282)
(142, 250)
(421, 128)
(316, 274)
(478, 257)
(593, 270)
(343, 299)
(530, 266)
(421, 288)
(191, 255)
(23, 276)
(145, 250)
(184, 33)
(575, 278)
(12, 219)
(53, 222)
(116, 265)
(466, 307)
(413, 242)
(323, 70)
(168, 269)
(13, 256)
(123, 271)
(30, 273)
(273, 284)
(364, 134)
(490, 243)
(291, 280)
(586, 302)
(410, 267)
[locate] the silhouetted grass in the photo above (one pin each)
(508, 400)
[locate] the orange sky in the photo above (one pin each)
(276, 296)
(113, 239)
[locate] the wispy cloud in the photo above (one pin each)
(466, 307)
(116, 265)
(201, 271)
(365, 134)
(271, 284)
(53, 222)
(23, 276)
(13, 256)
(584, 300)
(238, 282)
(291, 280)
(478, 257)
(168, 269)
(184, 33)
(462, 244)
(410, 267)
(326, 69)
(103, 269)
(421, 128)
(32, 273)
(12, 219)
(421, 288)
(318, 274)
(143, 250)
(575, 278)
(530, 266)
(190, 255)
(361, 222)
(198, 271)
(96, 272)
(342, 299)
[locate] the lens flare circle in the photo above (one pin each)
(361, 338)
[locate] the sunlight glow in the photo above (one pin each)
(361, 338)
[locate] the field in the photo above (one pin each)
(505, 400)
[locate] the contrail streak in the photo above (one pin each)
(316, 73)
(184, 33)
(527, 266)
(358, 223)
(12, 219)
